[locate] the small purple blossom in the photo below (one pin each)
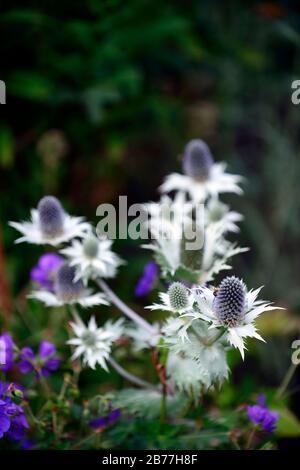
(8, 353)
(44, 272)
(146, 282)
(46, 362)
(13, 422)
(260, 414)
(102, 421)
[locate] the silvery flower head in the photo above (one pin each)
(68, 290)
(202, 177)
(92, 257)
(233, 308)
(50, 224)
(197, 160)
(94, 343)
(178, 299)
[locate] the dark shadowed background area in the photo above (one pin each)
(102, 97)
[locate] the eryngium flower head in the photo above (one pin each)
(178, 296)
(51, 216)
(230, 301)
(197, 160)
(65, 287)
(91, 246)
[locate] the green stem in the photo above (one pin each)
(286, 380)
(163, 406)
(217, 337)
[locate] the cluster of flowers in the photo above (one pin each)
(13, 422)
(203, 321)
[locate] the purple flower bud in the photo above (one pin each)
(146, 282)
(45, 271)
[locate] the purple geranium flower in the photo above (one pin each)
(111, 418)
(45, 361)
(6, 352)
(146, 282)
(13, 422)
(44, 272)
(260, 414)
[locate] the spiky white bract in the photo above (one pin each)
(142, 338)
(219, 213)
(32, 232)
(92, 257)
(195, 361)
(171, 235)
(86, 298)
(168, 306)
(204, 309)
(94, 343)
(68, 291)
(218, 181)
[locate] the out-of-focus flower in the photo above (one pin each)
(219, 213)
(43, 364)
(260, 414)
(202, 177)
(13, 422)
(142, 338)
(177, 300)
(233, 308)
(50, 224)
(7, 352)
(68, 291)
(181, 242)
(146, 282)
(52, 145)
(92, 257)
(102, 421)
(94, 343)
(45, 271)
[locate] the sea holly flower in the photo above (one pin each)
(50, 224)
(176, 300)
(13, 422)
(6, 352)
(43, 364)
(68, 291)
(146, 282)
(172, 239)
(261, 415)
(94, 343)
(202, 177)
(92, 257)
(233, 309)
(45, 271)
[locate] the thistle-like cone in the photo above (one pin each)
(197, 160)
(91, 246)
(178, 296)
(229, 303)
(51, 216)
(65, 287)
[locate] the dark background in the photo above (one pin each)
(103, 95)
